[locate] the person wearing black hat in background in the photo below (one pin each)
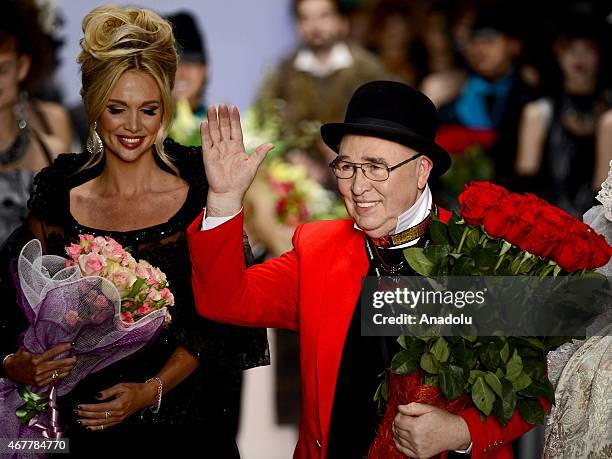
(191, 78)
(494, 93)
(386, 154)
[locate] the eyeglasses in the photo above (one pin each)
(374, 171)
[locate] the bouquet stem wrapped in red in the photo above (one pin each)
(404, 389)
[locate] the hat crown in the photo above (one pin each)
(393, 103)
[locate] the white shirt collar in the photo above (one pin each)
(340, 57)
(413, 216)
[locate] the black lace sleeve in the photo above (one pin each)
(49, 199)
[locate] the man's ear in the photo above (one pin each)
(23, 67)
(425, 167)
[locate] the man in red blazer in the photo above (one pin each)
(386, 153)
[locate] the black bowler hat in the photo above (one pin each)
(391, 111)
(188, 37)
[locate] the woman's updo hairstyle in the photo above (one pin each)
(116, 39)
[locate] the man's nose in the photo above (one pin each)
(360, 183)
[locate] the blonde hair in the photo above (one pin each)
(117, 39)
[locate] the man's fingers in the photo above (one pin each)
(55, 351)
(213, 124)
(224, 122)
(235, 128)
(415, 409)
(205, 135)
(261, 152)
(405, 451)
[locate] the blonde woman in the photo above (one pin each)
(143, 190)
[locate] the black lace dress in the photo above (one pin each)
(200, 412)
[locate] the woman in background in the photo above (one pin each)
(32, 132)
(558, 135)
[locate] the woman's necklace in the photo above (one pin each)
(19, 147)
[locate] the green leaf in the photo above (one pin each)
(490, 357)
(135, 287)
(531, 410)
(418, 261)
(440, 350)
(430, 364)
(474, 375)
(494, 383)
(431, 380)
(438, 232)
(482, 396)
(472, 239)
(464, 266)
(452, 382)
(435, 253)
(506, 404)
(485, 259)
(463, 356)
(404, 363)
(505, 352)
(521, 382)
(514, 367)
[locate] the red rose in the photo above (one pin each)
(601, 251)
(572, 254)
(523, 217)
(504, 220)
(548, 231)
(476, 200)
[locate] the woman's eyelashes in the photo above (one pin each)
(149, 111)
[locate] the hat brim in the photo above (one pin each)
(332, 134)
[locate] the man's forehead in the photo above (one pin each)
(374, 149)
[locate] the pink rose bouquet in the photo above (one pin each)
(143, 288)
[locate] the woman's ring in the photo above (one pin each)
(55, 374)
(107, 414)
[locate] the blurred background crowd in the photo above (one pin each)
(523, 90)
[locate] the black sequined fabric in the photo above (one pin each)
(206, 403)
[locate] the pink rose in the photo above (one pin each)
(73, 251)
(154, 295)
(112, 249)
(72, 318)
(92, 264)
(144, 309)
(127, 318)
(85, 240)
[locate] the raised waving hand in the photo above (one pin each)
(229, 170)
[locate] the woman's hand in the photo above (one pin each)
(39, 369)
(125, 400)
(229, 170)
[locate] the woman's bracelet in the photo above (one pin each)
(160, 389)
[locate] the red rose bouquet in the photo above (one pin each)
(496, 233)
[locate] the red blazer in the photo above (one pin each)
(312, 289)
